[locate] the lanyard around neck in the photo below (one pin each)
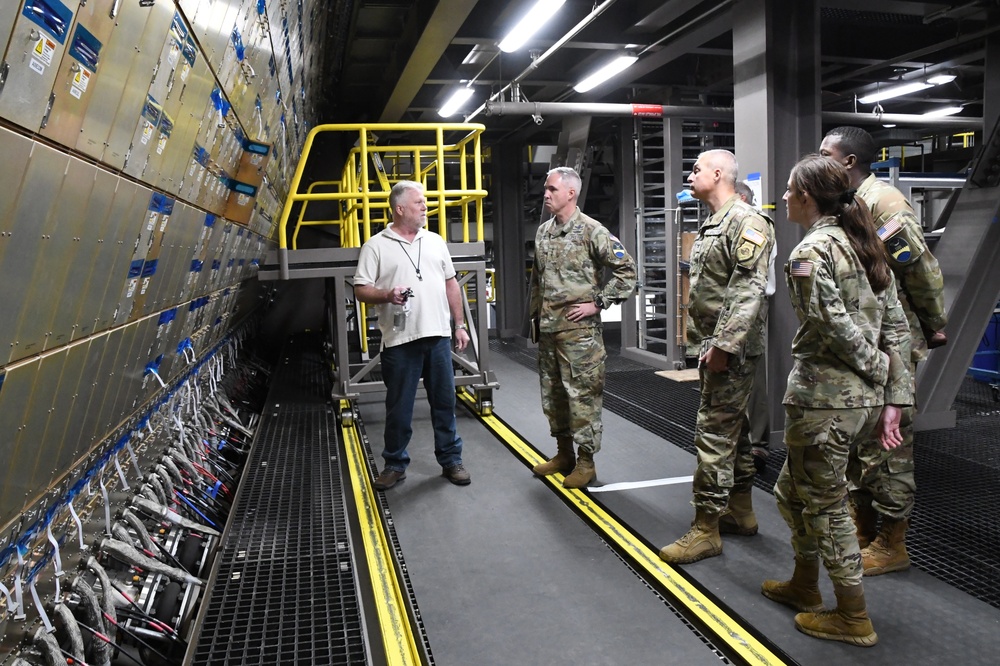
(416, 266)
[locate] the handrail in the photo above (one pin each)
(431, 162)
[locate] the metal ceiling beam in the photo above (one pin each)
(448, 17)
(887, 6)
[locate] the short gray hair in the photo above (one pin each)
(399, 189)
(724, 161)
(568, 176)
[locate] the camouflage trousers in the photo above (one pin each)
(812, 487)
(571, 372)
(885, 479)
(725, 457)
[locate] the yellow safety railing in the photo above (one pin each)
(454, 192)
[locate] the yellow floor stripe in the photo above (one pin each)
(397, 633)
(725, 629)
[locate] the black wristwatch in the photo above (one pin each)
(600, 303)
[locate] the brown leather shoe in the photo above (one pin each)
(388, 478)
(457, 474)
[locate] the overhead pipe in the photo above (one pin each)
(500, 108)
(574, 31)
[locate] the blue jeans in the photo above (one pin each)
(402, 368)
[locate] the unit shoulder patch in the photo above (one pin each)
(899, 249)
(617, 248)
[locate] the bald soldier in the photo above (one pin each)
(727, 313)
(882, 484)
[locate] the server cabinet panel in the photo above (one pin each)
(98, 423)
(133, 99)
(84, 259)
(36, 46)
(8, 14)
(61, 237)
(64, 418)
(96, 309)
(37, 455)
(134, 275)
(74, 85)
(109, 83)
(15, 396)
(79, 426)
(30, 226)
(16, 151)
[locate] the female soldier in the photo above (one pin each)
(850, 358)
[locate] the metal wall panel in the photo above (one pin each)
(61, 236)
(8, 13)
(36, 48)
(15, 395)
(16, 151)
(86, 256)
(37, 453)
(112, 248)
(27, 227)
(64, 416)
(109, 84)
(80, 424)
(97, 424)
(146, 50)
(84, 57)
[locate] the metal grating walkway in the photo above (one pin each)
(285, 589)
(954, 533)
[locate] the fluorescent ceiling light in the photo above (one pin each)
(943, 111)
(938, 79)
(536, 17)
(455, 102)
(604, 73)
(894, 91)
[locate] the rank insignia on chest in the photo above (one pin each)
(899, 249)
(801, 269)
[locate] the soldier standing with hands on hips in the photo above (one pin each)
(568, 292)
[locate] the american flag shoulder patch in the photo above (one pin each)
(753, 236)
(888, 229)
(801, 268)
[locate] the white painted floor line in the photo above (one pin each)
(631, 485)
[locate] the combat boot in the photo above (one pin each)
(701, 541)
(583, 473)
(848, 622)
(887, 553)
(865, 519)
(563, 461)
(738, 518)
(801, 593)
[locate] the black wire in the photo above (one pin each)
(101, 637)
(136, 637)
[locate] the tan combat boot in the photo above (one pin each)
(701, 541)
(801, 593)
(738, 517)
(583, 473)
(562, 462)
(848, 622)
(887, 553)
(865, 518)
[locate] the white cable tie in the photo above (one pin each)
(107, 507)
(131, 453)
(158, 378)
(79, 524)
(121, 474)
(11, 606)
(18, 592)
(40, 608)
(56, 561)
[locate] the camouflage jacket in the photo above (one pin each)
(852, 347)
(569, 269)
(729, 259)
(919, 282)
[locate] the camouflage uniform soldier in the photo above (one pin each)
(882, 484)
(850, 355)
(726, 316)
(567, 295)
